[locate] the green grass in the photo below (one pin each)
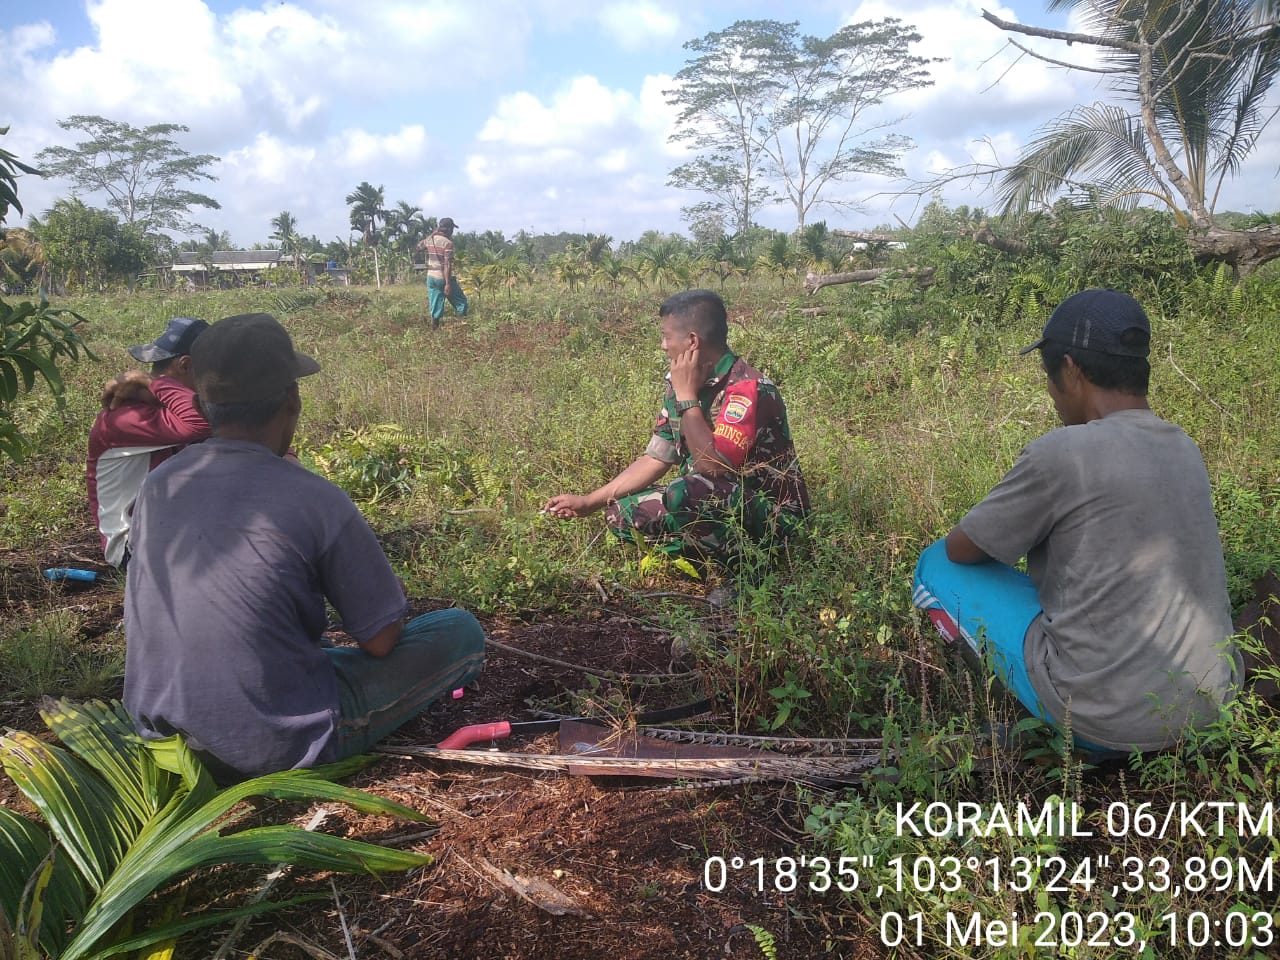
(906, 408)
(48, 658)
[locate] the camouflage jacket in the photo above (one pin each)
(749, 421)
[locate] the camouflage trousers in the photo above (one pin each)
(701, 516)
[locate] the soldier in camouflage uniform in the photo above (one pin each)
(724, 425)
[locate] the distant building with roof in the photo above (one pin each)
(245, 267)
(240, 266)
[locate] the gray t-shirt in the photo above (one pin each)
(1115, 518)
(234, 552)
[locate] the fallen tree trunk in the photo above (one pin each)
(987, 237)
(1246, 250)
(813, 282)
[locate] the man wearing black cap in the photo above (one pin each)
(441, 282)
(144, 421)
(235, 553)
(1123, 623)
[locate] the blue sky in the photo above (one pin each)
(543, 114)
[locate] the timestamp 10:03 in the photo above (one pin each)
(1070, 929)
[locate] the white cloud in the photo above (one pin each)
(268, 161)
(637, 25)
(359, 149)
(614, 161)
(574, 115)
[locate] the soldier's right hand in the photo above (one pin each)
(568, 506)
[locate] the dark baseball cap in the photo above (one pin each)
(176, 341)
(247, 358)
(1105, 321)
(447, 222)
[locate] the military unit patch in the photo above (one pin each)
(736, 408)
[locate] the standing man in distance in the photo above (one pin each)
(1123, 624)
(235, 553)
(724, 425)
(441, 282)
(145, 420)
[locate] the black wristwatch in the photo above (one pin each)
(683, 405)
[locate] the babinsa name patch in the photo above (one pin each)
(732, 434)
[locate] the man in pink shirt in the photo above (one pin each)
(144, 421)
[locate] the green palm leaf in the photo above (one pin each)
(82, 812)
(104, 738)
(171, 931)
(1212, 64)
(135, 815)
(23, 847)
(1099, 146)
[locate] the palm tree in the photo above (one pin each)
(595, 247)
(284, 229)
(368, 204)
(612, 271)
(1193, 76)
(658, 260)
(406, 226)
(570, 267)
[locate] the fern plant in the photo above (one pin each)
(127, 816)
(765, 941)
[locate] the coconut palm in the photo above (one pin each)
(284, 230)
(126, 817)
(1193, 78)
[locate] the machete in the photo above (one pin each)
(477, 732)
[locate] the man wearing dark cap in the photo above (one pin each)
(1122, 623)
(441, 282)
(144, 421)
(236, 551)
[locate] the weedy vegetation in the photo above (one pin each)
(907, 405)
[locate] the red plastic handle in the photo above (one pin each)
(474, 734)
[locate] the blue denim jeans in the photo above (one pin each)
(437, 653)
(986, 601)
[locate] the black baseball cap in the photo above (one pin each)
(447, 222)
(176, 341)
(1105, 321)
(246, 358)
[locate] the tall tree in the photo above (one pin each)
(88, 248)
(368, 209)
(284, 230)
(771, 109)
(724, 96)
(143, 171)
(1192, 78)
